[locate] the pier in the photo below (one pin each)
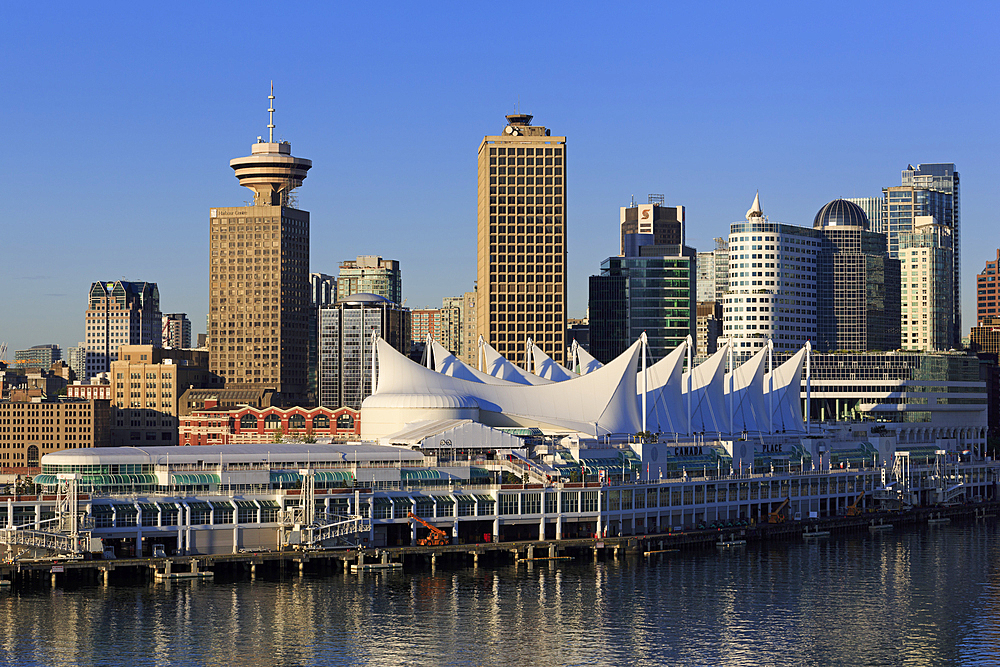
(291, 562)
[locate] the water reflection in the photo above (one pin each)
(923, 597)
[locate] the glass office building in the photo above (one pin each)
(647, 294)
(857, 294)
(345, 345)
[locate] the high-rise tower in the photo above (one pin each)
(522, 240)
(259, 274)
(929, 190)
(120, 312)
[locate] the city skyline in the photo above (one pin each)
(124, 96)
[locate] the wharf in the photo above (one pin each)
(222, 567)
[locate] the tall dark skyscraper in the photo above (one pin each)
(259, 274)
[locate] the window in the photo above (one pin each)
(321, 422)
(508, 503)
(345, 421)
(248, 421)
(297, 421)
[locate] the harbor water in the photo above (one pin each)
(919, 596)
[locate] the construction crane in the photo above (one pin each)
(776, 516)
(437, 537)
(853, 509)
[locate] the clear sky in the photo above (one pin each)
(120, 121)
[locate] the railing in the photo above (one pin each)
(37, 539)
(340, 530)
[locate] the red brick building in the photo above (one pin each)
(89, 391)
(988, 301)
(224, 426)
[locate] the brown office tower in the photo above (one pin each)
(522, 240)
(259, 301)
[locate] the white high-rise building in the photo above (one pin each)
(926, 255)
(772, 284)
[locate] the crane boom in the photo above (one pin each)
(437, 537)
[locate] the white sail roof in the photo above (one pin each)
(783, 396)
(447, 363)
(586, 362)
(499, 367)
(747, 396)
(709, 412)
(546, 368)
(601, 402)
(666, 410)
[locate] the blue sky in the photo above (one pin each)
(120, 119)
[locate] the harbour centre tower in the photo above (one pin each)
(259, 275)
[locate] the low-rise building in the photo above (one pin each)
(93, 389)
(986, 336)
(214, 425)
(31, 428)
(147, 384)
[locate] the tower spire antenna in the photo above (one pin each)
(270, 116)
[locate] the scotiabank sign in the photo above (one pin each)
(645, 219)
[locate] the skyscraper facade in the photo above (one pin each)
(370, 274)
(874, 209)
(322, 292)
(648, 289)
(926, 255)
(858, 284)
(713, 272)
(38, 356)
(259, 275)
(322, 289)
(650, 224)
(176, 331)
(521, 286)
(470, 342)
(709, 327)
(345, 345)
(772, 284)
(76, 358)
(425, 322)
(929, 190)
(120, 313)
(987, 300)
(452, 320)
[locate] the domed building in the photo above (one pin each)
(858, 284)
(841, 213)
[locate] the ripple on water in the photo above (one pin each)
(913, 598)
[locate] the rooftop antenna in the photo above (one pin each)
(270, 112)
